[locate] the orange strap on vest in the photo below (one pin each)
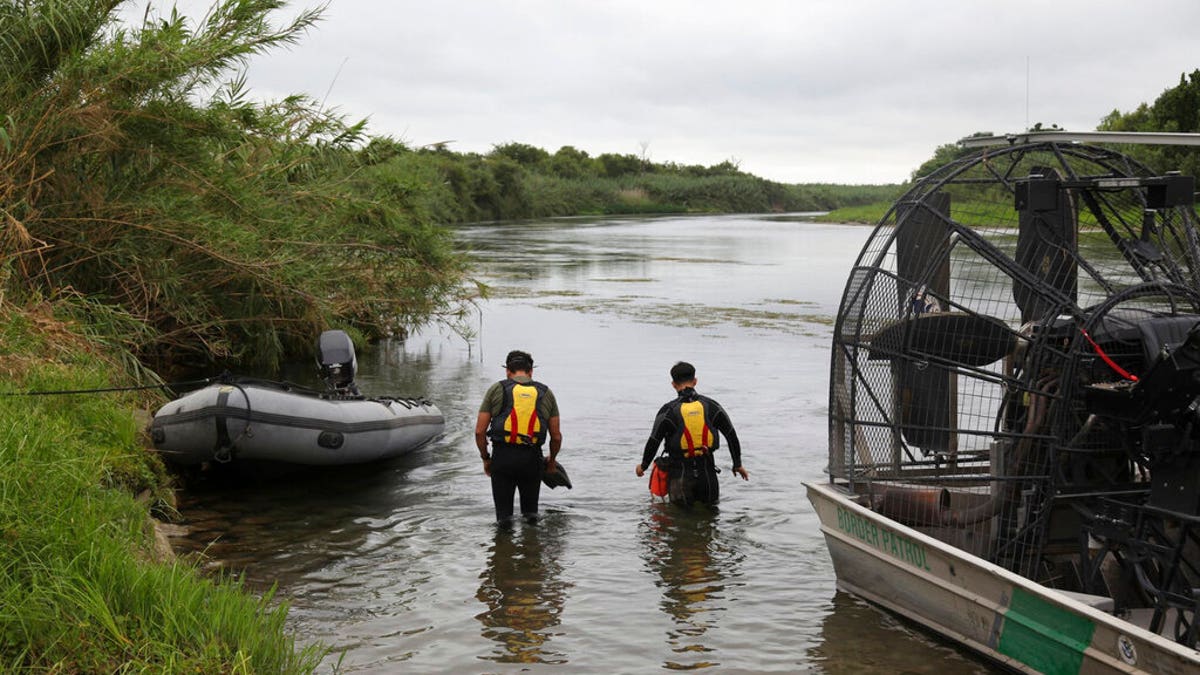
(531, 426)
(695, 426)
(524, 404)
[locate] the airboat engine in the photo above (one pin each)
(1158, 414)
(338, 364)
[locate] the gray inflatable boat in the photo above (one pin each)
(278, 422)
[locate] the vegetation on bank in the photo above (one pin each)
(865, 214)
(518, 181)
(153, 219)
(197, 226)
(573, 183)
(82, 587)
(1177, 109)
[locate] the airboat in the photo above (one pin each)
(1014, 408)
(255, 420)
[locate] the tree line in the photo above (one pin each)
(517, 181)
(1177, 109)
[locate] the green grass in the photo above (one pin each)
(81, 588)
(971, 212)
(865, 214)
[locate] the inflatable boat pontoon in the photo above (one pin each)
(244, 419)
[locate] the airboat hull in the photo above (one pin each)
(252, 422)
(996, 613)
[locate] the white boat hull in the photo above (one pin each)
(226, 422)
(1001, 615)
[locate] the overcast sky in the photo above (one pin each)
(841, 91)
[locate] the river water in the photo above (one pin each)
(400, 567)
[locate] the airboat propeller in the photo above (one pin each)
(956, 337)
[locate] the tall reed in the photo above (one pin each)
(137, 174)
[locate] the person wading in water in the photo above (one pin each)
(689, 425)
(518, 415)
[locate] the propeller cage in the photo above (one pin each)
(1016, 360)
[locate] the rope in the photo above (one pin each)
(105, 390)
(226, 378)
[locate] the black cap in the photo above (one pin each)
(518, 360)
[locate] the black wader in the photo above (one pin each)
(516, 468)
(694, 480)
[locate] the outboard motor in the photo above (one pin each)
(335, 356)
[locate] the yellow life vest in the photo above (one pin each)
(518, 422)
(696, 438)
(522, 425)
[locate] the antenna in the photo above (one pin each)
(1026, 92)
(1052, 136)
(335, 78)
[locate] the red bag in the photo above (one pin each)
(658, 480)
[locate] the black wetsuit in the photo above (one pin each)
(691, 479)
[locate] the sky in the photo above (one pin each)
(795, 91)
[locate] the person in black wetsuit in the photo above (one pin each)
(689, 425)
(517, 415)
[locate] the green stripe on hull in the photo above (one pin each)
(1043, 636)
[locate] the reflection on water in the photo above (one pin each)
(524, 592)
(693, 565)
(843, 650)
(296, 520)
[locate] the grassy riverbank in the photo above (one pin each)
(973, 213)
(865, 214)
(83, 588)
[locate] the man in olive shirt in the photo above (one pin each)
(518, 415)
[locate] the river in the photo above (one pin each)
(400, 567)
